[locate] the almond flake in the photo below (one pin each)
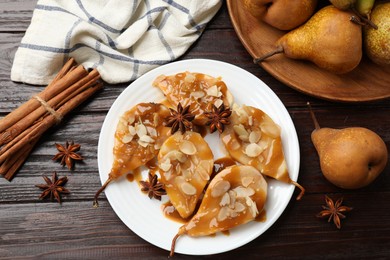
(127, 138)
(140, 129)
(254, 137)
(253, 150)
(223, 214)
(246, 181)
(188, 189)
(197, 94)
(218, 102)
(166, 165)
(212, 91)
(146, 139)
(187, 147)
(220, 188)
(225, 200)
(240, 130)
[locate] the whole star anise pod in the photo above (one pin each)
(153, 187)
(334, 211)
(53, 188)
(180, 119)
(218, 118)
(67, 154)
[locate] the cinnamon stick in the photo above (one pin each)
(54, 102)
(25, 125)
(48, 93)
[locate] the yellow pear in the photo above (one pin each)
(351, 157)
(281, 14)
(377, 42)
(329, 39)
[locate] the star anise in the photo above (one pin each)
(53, 188)
(153, 187)
(334, 211)
(180, 119)
(67, 154)
(218, 118)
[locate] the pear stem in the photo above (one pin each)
(95, 201)
(365, 20)
(267, 55)
(173, 244)
(300, 187)
(313, 117)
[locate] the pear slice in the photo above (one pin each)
(138, 137)
(185, 163)
(198, 90)
(252, 138)
(234, 197)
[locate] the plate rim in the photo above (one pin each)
(294, 143)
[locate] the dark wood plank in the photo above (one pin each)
(76, 230)
(15, 15)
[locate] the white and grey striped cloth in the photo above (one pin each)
(123, 39)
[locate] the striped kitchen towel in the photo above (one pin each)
(123, 39)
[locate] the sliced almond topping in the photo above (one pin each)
(146, 139)
(252, 207)
(212, 91)
(132, 130)
(140, 129)
(197, 94)
(131, 119)
(246, 181)
(187, 188)
(152, 131)
(218, 102)
(187, 147)
(127, 138)
(253, 150)
(240, 130)
(225, 200)
(244, 138)
(243, 192)
(166, 165)
(189, 78)
(220, 188)
(270, 129)
(239, 207)
(223, 214)
(254, 137)
(250, 120)
(143, 144)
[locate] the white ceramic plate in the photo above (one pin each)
(144, 216)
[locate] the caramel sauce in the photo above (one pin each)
(171, 213)
(222, 163)
(130, 177)
(262, 217)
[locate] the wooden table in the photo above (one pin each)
(33, 228)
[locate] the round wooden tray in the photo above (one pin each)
(367, 82)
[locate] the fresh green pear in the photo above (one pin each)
(351, 157)
(281, 14)
(343, 4)
(364, 7)
(377, 42)
(329, 39)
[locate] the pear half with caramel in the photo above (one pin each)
(253, 138)
(185, 163)
(197, 90)
(235, 196)
(139, 134)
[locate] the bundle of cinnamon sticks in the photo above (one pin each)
(21, 129)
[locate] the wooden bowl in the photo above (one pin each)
(367, 82)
